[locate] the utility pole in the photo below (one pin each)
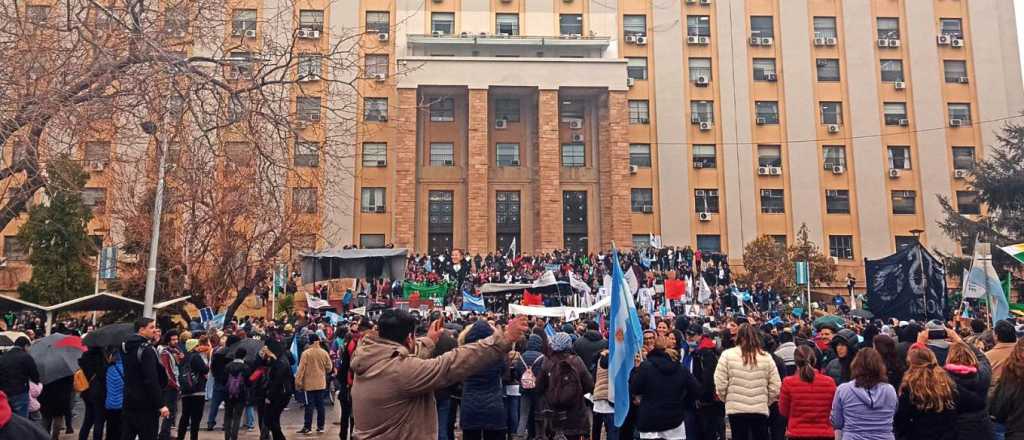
(158, 204)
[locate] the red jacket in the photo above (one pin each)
(808, 406)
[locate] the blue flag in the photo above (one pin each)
(625, 341)
(205, 314)
(549, 329)
(472, 303)
(334, 318)
(983, 282)
(295, 352)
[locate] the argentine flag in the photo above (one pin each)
(626, 338)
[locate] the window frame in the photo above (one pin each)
(905, 158)
(698, 25)
(705, 160)
(437, 155)
(373, 65)
(825, 65)
(567, 28)
(299, 204)
(958, 157)
(372, 159)
(639, 198)
(772, 200)
(441, 19)
(773, 159)
(514, 24)
(837, 247)
(761, 31)
(706, 114)
(639, 111)
(887, 33)
(893, 112)
(241, 20)
(697, 71)
(441, 109)
(838, 113)
(891, 75)
(837, 201)
(770, 113)
(904, 202)
(511, 154)
(832, 160)
(826, 31)
(974, 209)
(309, 158)
(953, 109)
(760, 71)
(706, 200)
(634, 29)
(314, 24)
(576, 159)
(373, 105)
(956, 74)
(375, 25)
(375, 194)
(635, 70)
(640, 155)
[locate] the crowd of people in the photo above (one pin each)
(736, 366)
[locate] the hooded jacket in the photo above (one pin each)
(665, 389)
(19, 368)
(806, 405)
(393, 390)
(483, 405)
(972, 420)
(705, 362)
(588, 347)
(839, 368)
(864, 413)
(144, 378)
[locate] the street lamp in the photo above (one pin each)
(150, 128)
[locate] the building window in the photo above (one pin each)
(376, 65)
(825, 27)
(307, 154)
(640, 155)
(14, 249)
(308, 108)
(506, 24)
(767, 112)
(828, 69)
(705, 200)
(442, 154)
(371, 241)
(904, 202)
(507, 219)
(894, 112)
(698, 26)
(709, 244)
(570, 24)
(378, 21)
(963, 158)
(837, 201)
(308, 66)
(442, 109)
(94, 198)
(834, 156)
(764, 69)
(243, 20)
(37, 14)
(372, 200)
(903, 241)
(506, 109)
(639, 112)
(574, 220)
(888, 28)
(573, 156)
(700, 67)
(440, 220)
(704, 156)
(641, 241)
(892, 70)
(508, 155)
(899, 158)
(375, 109)
(840, 246)
(832, 113)
(634, 25)
(952, 27)
(702, 111)
(304, 200)
(955, 71)
(375, 155)
(641, 200)
(311, 19)
(769, 156)
(773, 201)
(443, 22)
(960, 111)
(967, 202)
(636, 68)
(762, 26)
(97, 152)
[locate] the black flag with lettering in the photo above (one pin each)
(910, 284)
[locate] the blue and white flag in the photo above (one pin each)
(625, 343)
(334, 318)
(295, 352)
(216, 322)
(983, 282)
(549, 329)
(471, 303)
(205, 314)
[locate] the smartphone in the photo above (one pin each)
(936, 334)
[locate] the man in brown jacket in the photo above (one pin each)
(393, 391)
(1006, 339)
(311, 377)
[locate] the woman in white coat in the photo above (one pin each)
(748, 382)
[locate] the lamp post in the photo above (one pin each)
(150, 128)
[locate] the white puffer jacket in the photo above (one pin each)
(746, 389)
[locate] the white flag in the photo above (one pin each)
(705, 292)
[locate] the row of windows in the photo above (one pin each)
(762, 26)
(837, 201)
(767, 112)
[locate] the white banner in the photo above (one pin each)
(564, 312)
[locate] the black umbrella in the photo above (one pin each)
(861, 313)
(106, 336)
(56, 356)
(252, 349)
(5, 341)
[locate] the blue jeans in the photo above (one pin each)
(19, 404)
(250, 418)
(314, 400)
(999, 431)
(219, 392)
(444, 405)
(512, 413)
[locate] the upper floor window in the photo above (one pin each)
(967, 202)
(698, 26)
(309, 65)
(773, 201)
(443, 22)
(700, 67)
(767, 112)
(641, 200)
(375, 109)
(639, 112)
(904, 202)
(311, 19)
(442, 109)
(506, 24)
(636, 68)
(895, 113)
(828, 69)
(762, 26)
(376, 65)
(98, 151)
(837, 201)
(640, 155)
(705, 200)
(764, 69)
(955, 71)
(570, 24)
(307, 154)
(704, 156)
(375, 154)
(961, 112)
(308, 108)
(769, 156)
(899, 157)
(442, 154)
(304, 200)
(888, 28)
(963, 158)
(507, 109)
(243, 20)
(372, 200)
(37, 14)
(634, 25)
(834, 156)
(378, 21)
(952, 27)
(702, 111)
(825, 27)
(507, 154)
(573, 155)
(892, 70)
(831, 113)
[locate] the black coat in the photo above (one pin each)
(199, 369)
(19, 368)
(94, 365)
(588, 347)
(705, 361)
(972, 420)
(55, 400)
(280, 383)
(665, 389)
(217, 363)
(144, 377)
(910, 423)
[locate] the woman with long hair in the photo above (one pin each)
(806, 399)
(972, 420)
(1006, 406)
(895, 365)
(747, 380)
(863, 408)
(927, 408)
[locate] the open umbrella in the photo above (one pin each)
(13, 336)
(56, 356)
(861, 313)
(829, 321)
(252, 349)
(106, 336)
(5, 341)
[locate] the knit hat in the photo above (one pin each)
(560, 341)
(191, 344)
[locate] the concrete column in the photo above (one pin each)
(616, 217)
(670, 121)
(405, 170)
(479, 160)
(549, 163)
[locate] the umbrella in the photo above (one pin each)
(56, 356)
(106, 336)
(5, 341)
(13, 336)
(829, 321)
(252, 349)
(861, 313)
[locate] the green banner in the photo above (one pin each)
(426, 290)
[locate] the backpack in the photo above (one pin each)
(566, 388)
(528, 381)
(187, 380)
(236, 387)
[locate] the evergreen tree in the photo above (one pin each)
(57, 239)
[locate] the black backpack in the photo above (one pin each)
(565, 389)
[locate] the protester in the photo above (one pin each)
(193, 374)
(237, 393)
(170, 357)
(482, 414)
(806, 399)
(895, 365)
(1005, 407)
(844, 345)
(114, 402)
(218, 360)
(19, 369)
(563, 382)
(144, 382)
(666, 391)
(311, 379)
(93, 364)
(747, 380)
(927, 399)
(16, 427)
(973, 422)
(529, 368)
(280, 386)
(54, 403)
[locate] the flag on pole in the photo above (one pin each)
(205, 314)
(982, 281)
(704, 294)
(1015, 250)
(625, 341)
(473, 303)
(511, 248)
(316, 303)
(295, 352)
(108, 263)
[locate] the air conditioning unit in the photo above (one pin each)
(705, 126)
(704, 216)
(762, 121)
(762, 171)
(449, 163)
(250, 33)
(380, 117)
(500, 124)
(833, 128)
(630, 82)
(894, 43)
(312, 117)
(575, 36)
(691, 2)
(705, 2)
(378, 209)
(633, 169)
(767, 41)
(513, 163)
(956, 42)
(692, 39)
(577, 137)
(437, 33)
(703, 40)
(382, 163)
(383, 36)
(309, 33)
(956, 122)
(903, 122)
(775, 171)
(882, 42)
(648, 209)
(959, 174)
(97, 165)
(819, 41)
(630, 38)
(380, 77)
(698, 165)
(771, 76)
(702, 80)
(894, 173)
(943, 40)
(963, 80)
(899, 85)
(464, 35)
(831, 41)
(838, 169)
(641, 40)
(575, 124)
(755, 41)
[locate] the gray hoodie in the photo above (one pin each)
(864, 413)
